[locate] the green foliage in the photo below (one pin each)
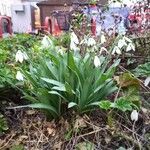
(130, 88)
(85, 146)
(8, 48)
(63, 40)
(3, 124)
(17, 147)
(121, 104)
(58, 81)
(143, 70)
(105, 104)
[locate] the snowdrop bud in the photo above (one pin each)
(96, 61)
(19, 76)
(147, 81)
(19, 56)
(103, 39)
(121, 43)
(134, 115)
(91, 42)
(116, 50)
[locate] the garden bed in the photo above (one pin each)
(107, 127)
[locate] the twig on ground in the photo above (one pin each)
(7, 143)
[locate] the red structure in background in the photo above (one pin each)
(5, 26)
(139, 19)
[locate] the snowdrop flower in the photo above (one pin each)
(116, 50)
(96, 61)
(73, 46)
(19, 56)
(103, 49)
(147, 81)
(91, 42)
(25, 56)
(60, 51)
(103, 39)
(122, 43)
(74, 42)
(74, 38)
(19, 76)
(130, 47)
(46, 42)
(127, 39)
(134, 115)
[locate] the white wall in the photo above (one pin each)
(5, 6)
(22, 20)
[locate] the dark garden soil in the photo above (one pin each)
(30, 130)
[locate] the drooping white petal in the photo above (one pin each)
(130, 47)
(46, 42)
(147, 81)
(127, 39)
(25, 56)
(121, 43)
(91, 42)
(19, 56)
(97, 62)
(134, 115)
(73, 46)
(74, 38)
(60, 51)
(116, 50)
(19, 76)
(103, 39)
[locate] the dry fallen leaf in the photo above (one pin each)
(107, 139)
(30, 112)
(80, 123)
(57, 146)
(51, 131)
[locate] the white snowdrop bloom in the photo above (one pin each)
(97, 62)
(147, 81)
(130, 47)
(19, 56)
(74, 42)
(134, 115)
(74, 38)
(127, 39)
(122, 43)
(25, 56)
(116, 50)
(73, 46)
(46, 42)
(60, 51)
(103, 39)
(91, 42)
(19, 76)
(103, 49)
